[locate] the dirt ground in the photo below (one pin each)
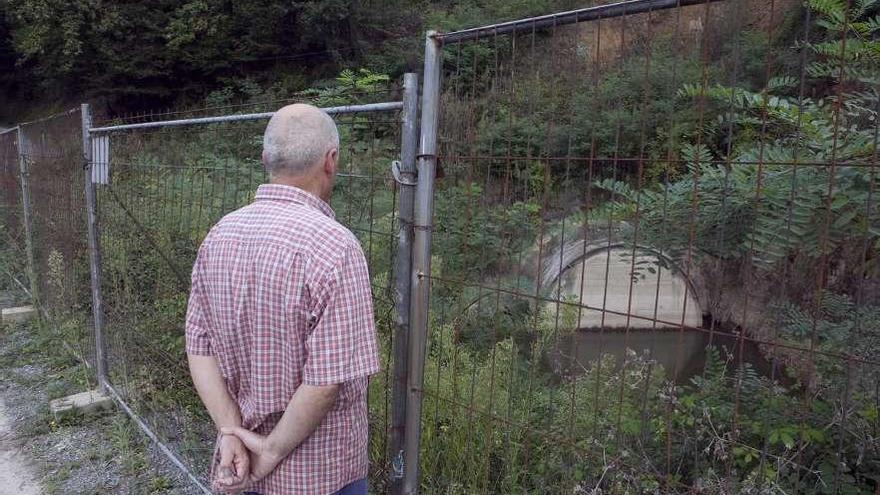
(16, 476)
(103, 454)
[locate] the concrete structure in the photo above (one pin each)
(84, 402)
(601, 278)
(21, 313)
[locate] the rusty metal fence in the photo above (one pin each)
(12, 227)
(44, 225)
(54, 171)
(653, 241)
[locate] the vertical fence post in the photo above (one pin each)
(94, 249)
(421, 265)
(27, 215)
(403, 278)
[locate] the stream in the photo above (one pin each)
(681, 353)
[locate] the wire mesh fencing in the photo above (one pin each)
(12, 233)
(53, 167)
(654, 254)
(159, 190)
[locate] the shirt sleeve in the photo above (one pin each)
(342, 343)
(198, 338)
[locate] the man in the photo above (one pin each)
(279, 330)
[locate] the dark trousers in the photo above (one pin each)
(359, 487)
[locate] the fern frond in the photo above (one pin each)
(781, 82)
(833, 9)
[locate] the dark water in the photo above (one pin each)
(682, 353)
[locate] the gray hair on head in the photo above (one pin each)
(296, 139)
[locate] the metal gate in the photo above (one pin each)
(157, 185)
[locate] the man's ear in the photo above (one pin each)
(331, 158)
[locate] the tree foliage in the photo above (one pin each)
(140, 54)
(774, 179)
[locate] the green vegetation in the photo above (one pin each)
(728, 163)
(144, 54)
(719, 155)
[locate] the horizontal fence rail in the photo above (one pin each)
(339, 110)
(599, 12)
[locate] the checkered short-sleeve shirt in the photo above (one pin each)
(281, 296)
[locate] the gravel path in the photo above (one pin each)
(103, 454)
(16, 476)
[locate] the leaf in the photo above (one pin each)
(845, 219)
(787, 439)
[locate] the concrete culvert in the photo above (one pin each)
(601, 278)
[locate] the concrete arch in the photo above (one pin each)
(599, 277)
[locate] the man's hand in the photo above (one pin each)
(264, 458)
(234, 467)
(305, 411)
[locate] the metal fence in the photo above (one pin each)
(651, 262)
(636, 251)
(44, 225)
(12, 233)
(118, 207)
(159, 186)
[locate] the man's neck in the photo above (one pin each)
(305, 183)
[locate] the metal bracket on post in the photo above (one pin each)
(94, 249)
(421, 288)
(403, 171)
(398, 175)
(27, 217)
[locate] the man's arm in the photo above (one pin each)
(234, 462)
(306, 410)
(304, 413)
(212, 390)
(234, 459)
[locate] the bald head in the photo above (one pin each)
(297, 139)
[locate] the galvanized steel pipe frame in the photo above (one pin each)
(402, 280)
(117, 397)
(421, 264)
(368, 107)
(409, 137)
(608, 11)
(94, 248)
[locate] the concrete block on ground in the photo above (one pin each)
(21, 313)
(84, 402)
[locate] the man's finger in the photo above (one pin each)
(225, 470)
(250, 439)
(235, 487)
(242, 465)
(226, 476)
(228, 485)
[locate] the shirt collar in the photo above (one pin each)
(279, 192)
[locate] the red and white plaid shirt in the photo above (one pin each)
(281, 296)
